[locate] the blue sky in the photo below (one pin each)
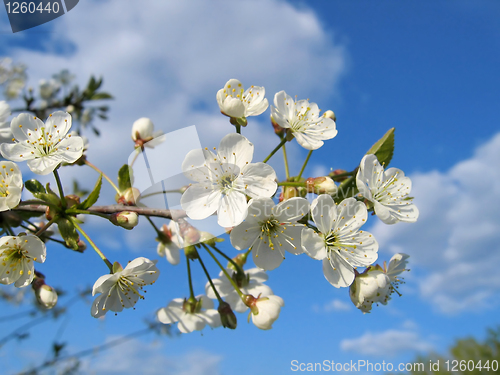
(429, 69)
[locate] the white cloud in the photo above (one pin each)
(137, 357)
(334, 305)
(386, 344)
(166, 61)
(456, 237)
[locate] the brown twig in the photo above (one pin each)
(169, 214)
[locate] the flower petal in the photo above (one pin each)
(337, 271)
(200, 201)
(324, 213)
(232, 210)
(313, 244)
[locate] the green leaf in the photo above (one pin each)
(26, 215)
(93, 196)
(384, 148)
(124, 178)
(68, 233)
(49, 198)
(100, 96)
(34, 186)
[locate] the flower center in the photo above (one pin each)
(226, 182)
(14, 256)
(269, 228)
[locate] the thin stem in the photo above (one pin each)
(191, 292)
(210, 281)
(59, 186)
(233, 283)
(44, 228)
(137, 153)
(287, 171)
(238, 128)
(103, 175)
(230, 260)
(99, 252)
(160, 192)
(283, 141)
(290, 183)
(158, 231)
(304, 165)
(85, 212)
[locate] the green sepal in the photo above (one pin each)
(34, 186)
(68, 233)
(50, 191)
(124, 178)
(93, 196)
(383, 149)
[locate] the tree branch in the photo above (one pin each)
(168, 214)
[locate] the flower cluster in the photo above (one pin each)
(322, 217)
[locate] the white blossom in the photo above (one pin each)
(252, 283)
(11, 185)
(270, 230)
(266, 310)
(235, 101)
(224, 179)
(376, 284)
(122, 288)
(302, 119)
(190, 315)
(339, 243)
(44, 146)
(17, 255)
(387, 190)
(169, 246)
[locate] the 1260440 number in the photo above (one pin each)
(32, 7)
(471, 365)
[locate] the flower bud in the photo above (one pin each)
(330, 114)
(227, 316)
(70, 108)
(190, 234)
(336, 172)
(239, 259)
(288, 192)
(128, 197)
(278, 130)
(125, 219)
(372, 286)
(191, 252)
(265, 310)
(72, 200)
(142, 130)
(321, 185)
(46, 296)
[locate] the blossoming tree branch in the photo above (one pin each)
(320, 218)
